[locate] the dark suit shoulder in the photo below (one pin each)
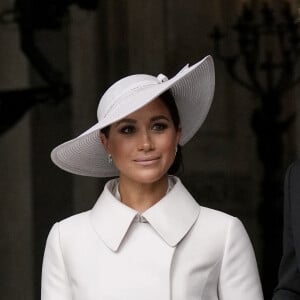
(294, 169)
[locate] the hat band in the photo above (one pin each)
(127, 93)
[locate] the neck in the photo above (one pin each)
(141, 196)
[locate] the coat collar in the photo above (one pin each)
(171, 217)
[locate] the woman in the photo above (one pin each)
(146, 237)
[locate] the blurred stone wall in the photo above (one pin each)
(93, 50)
(16, 230)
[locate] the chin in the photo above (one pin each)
(147, 177)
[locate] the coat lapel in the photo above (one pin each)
(172, 217)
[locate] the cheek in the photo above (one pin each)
(169, 144)
(120, 148)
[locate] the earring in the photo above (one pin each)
(176, 148)
(109, 159)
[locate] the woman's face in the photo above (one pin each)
(142, 145)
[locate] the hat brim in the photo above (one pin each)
(192, 89)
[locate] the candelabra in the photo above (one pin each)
(268, 51)
(32, 16)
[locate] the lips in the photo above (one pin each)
(146, 161)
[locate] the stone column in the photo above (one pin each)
(15, 179)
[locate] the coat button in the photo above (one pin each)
(141, 219)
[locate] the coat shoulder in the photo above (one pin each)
(72, 232)
(219, 226)
(74, 220)
(216, 216)
(74, 226)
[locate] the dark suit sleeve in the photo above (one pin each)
(289, 276)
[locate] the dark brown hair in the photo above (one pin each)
(169, 101)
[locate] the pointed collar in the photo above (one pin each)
(171, 217)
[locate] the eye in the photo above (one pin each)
(159, 126)
(128, 129)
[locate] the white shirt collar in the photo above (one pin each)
(171, 217)
(115, 187)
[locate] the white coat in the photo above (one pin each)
(175, 250)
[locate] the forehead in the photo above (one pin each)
(155, 107)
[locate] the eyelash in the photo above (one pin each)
(130, 129)
(162, 126)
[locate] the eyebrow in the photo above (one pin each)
(159, 118)
(133, 121)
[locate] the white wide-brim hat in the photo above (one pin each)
(192, 89)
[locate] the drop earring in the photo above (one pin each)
(176, 148)
(109, 159)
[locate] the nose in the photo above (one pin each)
(145, 142)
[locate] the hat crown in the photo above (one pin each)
(123, 88)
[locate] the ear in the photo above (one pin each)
(178, 135)
(104, 141)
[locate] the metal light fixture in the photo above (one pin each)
(31, 16)
(266, 63)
